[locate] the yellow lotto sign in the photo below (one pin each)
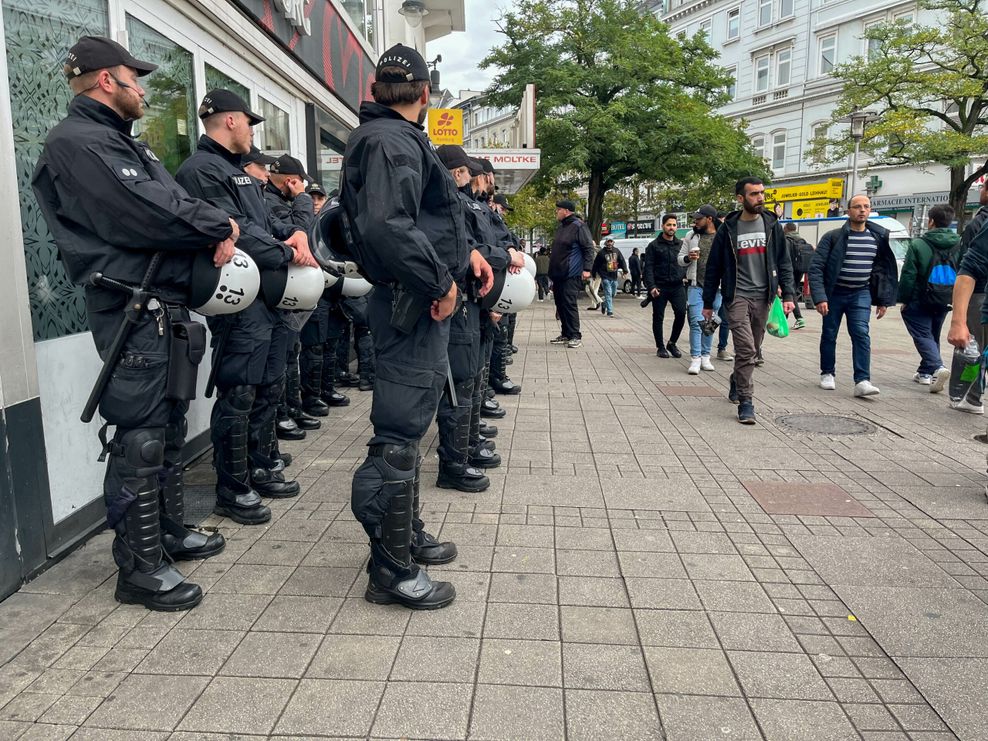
(446, 126)
(831, 189)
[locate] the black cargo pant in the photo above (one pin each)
(465, 364)
(411, 371)
(673, 294)
(565, 292)
(313, 339)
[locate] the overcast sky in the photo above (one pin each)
(463, 50)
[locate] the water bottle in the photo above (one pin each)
(965, 370)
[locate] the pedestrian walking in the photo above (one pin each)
(115, 211)
(542, 272)
(664, 276)
(606, 266)
(750, 265)
(635, 269)
(797, 251)
(853, 269)
(926, 289)
(968, 312)
(693, 256)
(570, 259)
(591, 286)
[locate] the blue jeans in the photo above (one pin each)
(700, 343)
(609, 286)
(725, 328)
(924, 327)
(855, 304)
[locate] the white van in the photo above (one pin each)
(625, 246)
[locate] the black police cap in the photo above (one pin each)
(487, 165)
(316, 188)
(476, 167)
(452, 156)
(405, 58)
(226, 101)
(91, 53)
(501, 200)
(288, 165)
(257, 156)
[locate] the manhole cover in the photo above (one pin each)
(826, 424)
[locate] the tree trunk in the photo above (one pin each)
(595, 204)
(960, 184)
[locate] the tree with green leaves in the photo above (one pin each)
(534, 212)
(618, 97)
(929, 87)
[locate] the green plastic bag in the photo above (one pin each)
(778, 323)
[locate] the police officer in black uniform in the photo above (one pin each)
(114, 209)
(288, 203)
(250, 367)
(410, 240)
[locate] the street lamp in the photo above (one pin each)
(414, 11)
(858, 121)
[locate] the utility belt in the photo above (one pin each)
(407, 307)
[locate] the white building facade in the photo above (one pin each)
(781, 53)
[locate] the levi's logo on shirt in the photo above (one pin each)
(752, 243)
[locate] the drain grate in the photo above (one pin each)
(826, 424)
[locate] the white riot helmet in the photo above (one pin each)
(355, 286)
(511, 293)
(226, 289)
(530, 264)
(294, 287)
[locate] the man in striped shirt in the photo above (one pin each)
(853, 269)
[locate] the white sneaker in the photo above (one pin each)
(923, 379)
(865, 388)
(827, 382)
(705, 363)
(694, 369)
(939, 380)
(965, 406)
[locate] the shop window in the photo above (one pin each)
(274, 132)
(38, 36)
(169, 123)
(216, 79)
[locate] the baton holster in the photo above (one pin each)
(407, 308)
(186, 348)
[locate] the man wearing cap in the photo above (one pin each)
(411, 242)
(570, 259)
(318, 194)
(250, 371)
(256, 164)
(504, 339)
(693, 254)
(112, 208)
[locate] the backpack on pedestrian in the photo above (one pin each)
(940, 278)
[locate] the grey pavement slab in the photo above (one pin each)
(646, 494)
(687, 717)
(523, 713)
(593, 714)
(239, 705)
(521, 662)
(325, 707)
(800, 720)
(128, 707)
(880, 562)
(956, 688)
(433, 710)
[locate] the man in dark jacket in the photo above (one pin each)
(664, 278)
(853, 268)
(113, 208)
(608, 263)
(968, 305)
(570, 260)
(635, 270)
(410, 240)
(797, 249)
(750, 264)
(924, 310)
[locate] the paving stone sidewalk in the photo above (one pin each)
(642, 567)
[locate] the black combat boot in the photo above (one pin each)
(499, 380)
(294, 397)
(487, 431)
(455, 426)
(180, 542)
(130, 490)
(426, 549)
(261, 446)
(234, 497)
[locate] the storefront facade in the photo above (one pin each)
(305, 65)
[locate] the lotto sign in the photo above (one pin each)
(446, 126)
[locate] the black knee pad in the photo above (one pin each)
(402, 458)
(239, 399)
(271, 393)
(142, 449)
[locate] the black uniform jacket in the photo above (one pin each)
(480, 234)
(111, 204)
(402, 204)
(214, 174)
(297, 212)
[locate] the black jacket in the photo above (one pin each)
(214, 174)
(403, 205)
(976, 224)
(505, 237)
(722, 264)
(662, 266)
(635, 265)
(600, 265)
(297, 211)
(111, 204)
(829, 256)
(572, 249)
(480, 234)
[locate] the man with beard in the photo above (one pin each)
(113, 209)
(693, 256)
(410, 240)
(749, 263)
